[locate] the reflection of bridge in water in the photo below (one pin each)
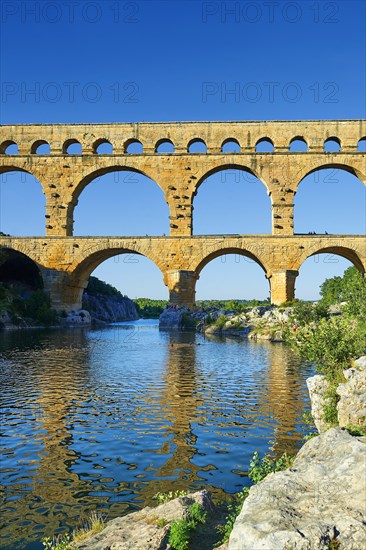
(66, 261)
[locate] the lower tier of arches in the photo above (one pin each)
(65, 264)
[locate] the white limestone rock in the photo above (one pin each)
(318, 386)
(147, 529)
(321, 498)
(351, 406)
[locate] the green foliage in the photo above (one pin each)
(180, 530)
(36, 306)
(220, 321)
(307, 312)
(96, 287)
(196, 514)
(61, 542)
(260, 468)
(354, 293)
(188, 321)
(234, 509)
(330, 344)
(162, 498)
(150, 309)
(237, 306)
(350, 288)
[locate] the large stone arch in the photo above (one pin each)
(349, 254)
(351, 169)
(219, 166)
(102, 171)
(79, 272)
(222, 251)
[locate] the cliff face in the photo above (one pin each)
(110, 309)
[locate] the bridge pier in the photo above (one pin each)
(182, 287)
(282, 284)
(64, 294)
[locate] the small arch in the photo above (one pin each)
(332, 145)
(197, 145)
(298, 145)
(230, 145)
(133, 147)
(361, 145)
(164, 146)
(72, 147)
(102, 147)
(9, 147)
(40, 147)
(264, 145)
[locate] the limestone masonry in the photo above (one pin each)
(66, 261)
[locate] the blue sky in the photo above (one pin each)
(159, 61)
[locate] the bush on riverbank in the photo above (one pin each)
(331, 342)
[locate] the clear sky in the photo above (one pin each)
(113, 61)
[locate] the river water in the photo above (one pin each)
(104, 419)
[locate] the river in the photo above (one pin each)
(104, 419)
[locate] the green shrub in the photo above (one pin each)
(179, 534)
(260, 468)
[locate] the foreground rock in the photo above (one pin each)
(351, 406)
(320, 499)
(318, 387)
(147, 529)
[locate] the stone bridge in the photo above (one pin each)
(66, 261)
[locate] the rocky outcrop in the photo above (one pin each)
(147, 529)
(319, 500)
(172, 318)
(77, 318)
(110, 309)
(318, 387)
(351, 406)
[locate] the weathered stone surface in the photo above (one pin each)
(318, 386)
(142, 530)
(322, 497)
(361, 362)
(351, 406)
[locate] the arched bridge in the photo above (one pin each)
(66, 260)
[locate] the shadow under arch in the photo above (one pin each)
(345, 252)
(17, 265)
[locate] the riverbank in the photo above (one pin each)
(256, 323)
(22, 307)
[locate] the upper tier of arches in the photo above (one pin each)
(196, 145)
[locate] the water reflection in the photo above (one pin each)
(108, 418)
